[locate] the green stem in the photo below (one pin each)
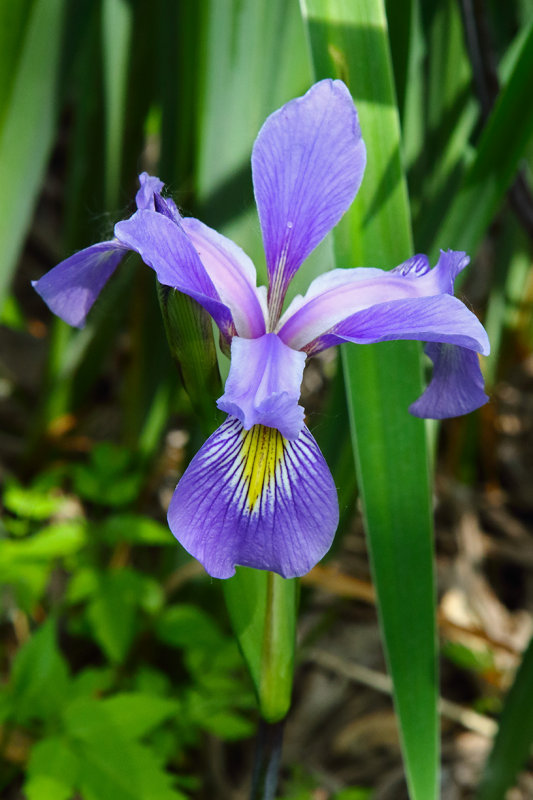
(277, 662)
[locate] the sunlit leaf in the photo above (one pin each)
(350, 42)
(29, 121)
(40, 678)
(514, 739)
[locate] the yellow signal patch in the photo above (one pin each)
(262, 450)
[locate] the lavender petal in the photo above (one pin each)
(456, 386)
(164, 246)
(263, 385)
(233, 275)
(254, 499)
(71, 288)
(307, 163)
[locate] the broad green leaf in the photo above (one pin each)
(514, 739)
(136, 529)
(112, 764)
(28, 127)
(46, 787)
(189, 627)
(134, 714)
(262, 609)
(32, 502)
(113, 612)
(40, 679)
(52, 770)
(27, 580)
(55, 541)
(222, 723)
(349, 41)
(110, 478)
(91, 682)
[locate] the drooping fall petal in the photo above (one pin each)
(254, 499)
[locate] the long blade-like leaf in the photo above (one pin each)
(515, 734)
(349, 41)
(28, 128)
(496, 160)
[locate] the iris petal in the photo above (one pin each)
(456, 386)
(149, 185)
(164, 246)
(71, 288)
(307, 163)
(233, 275)
(441, 318)
(334, 298)
(263, 385)
(254, 499)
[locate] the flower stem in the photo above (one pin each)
(267, 760)
(277, 659)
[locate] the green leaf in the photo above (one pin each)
(91, 682)
(14, 18)
(52, 770)
(349, 41)
(134, 714)
(514, 739)
(189, 627)
(110, 477)
(28, 124)
(117, 21)
(55, 541)
(499, 151)
(135, 529)
(111, 763)
(113, 612)
(40, 678)
(262, 609)
(32, 502)
(190, 337)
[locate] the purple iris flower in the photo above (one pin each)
(259, 493)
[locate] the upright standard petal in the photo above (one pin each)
(233, 275)
(263, 386)
(149, 186)
(71, 288)
(254, 499)
(307, 163)
(164, 246)
(456, 386)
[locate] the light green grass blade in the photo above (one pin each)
(117, 22)
(349, 41)
(14, 18)
(515, 734)
(28, 128)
